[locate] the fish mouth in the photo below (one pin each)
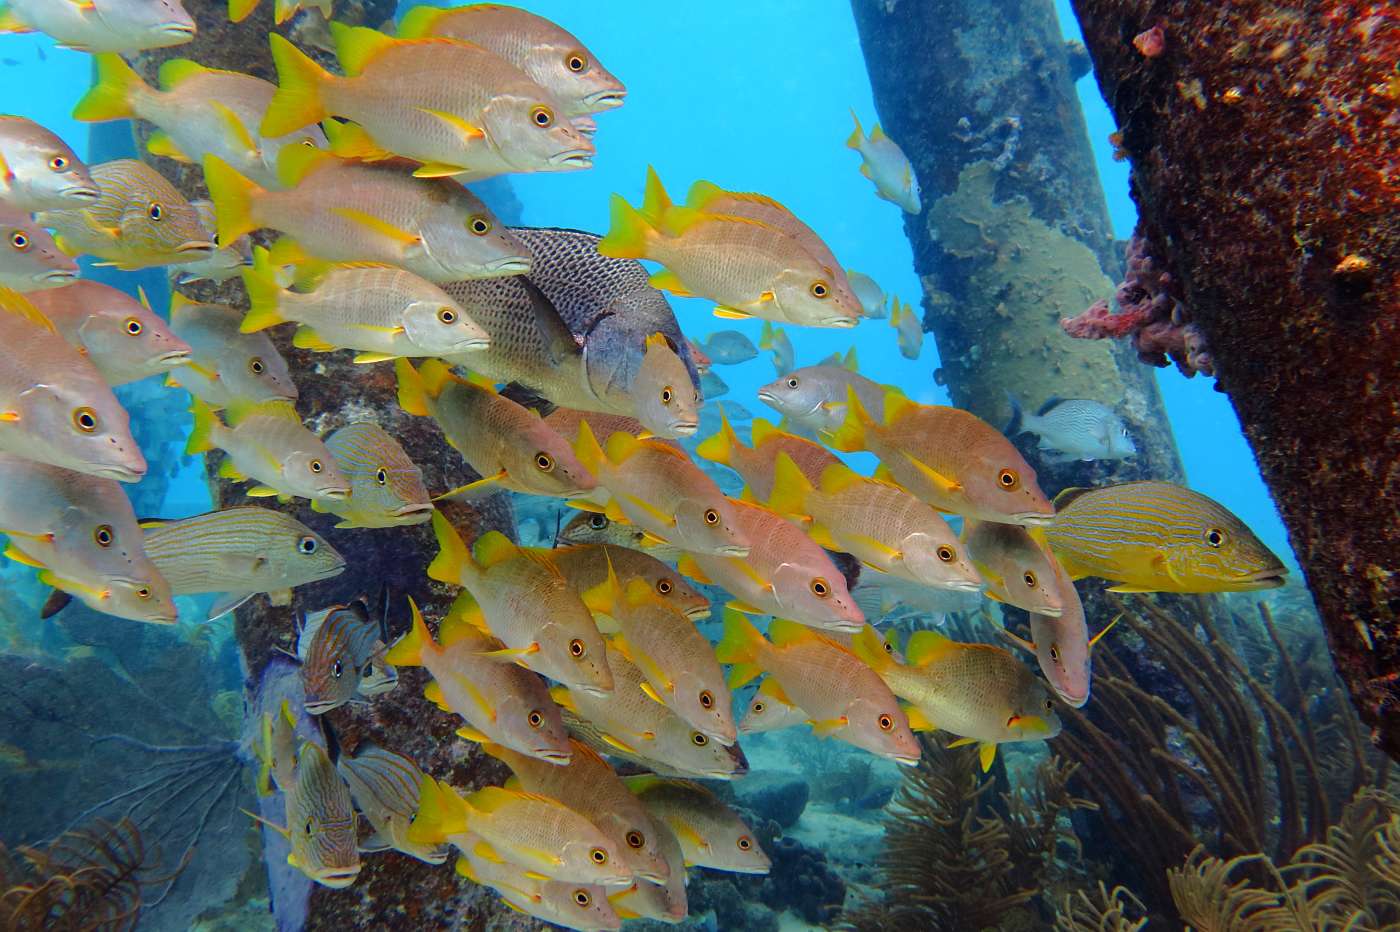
(177, 29)
(906, 761)
(59, 275)
(1049, 612)
(116, 471)
(174, 358)
(81, 193)
(844, 625)
(318, 708)
(841, 322)
(698, 614)
(1074, 702)
(595, 691)
(558, 758)
(684, 428)
(474, 343)
(510, 265)
(413, 508)
(607, 99)
(965, 585)
(336, 494)
(203, 247)
(1264, 579)
(338, 878)
(573, 158)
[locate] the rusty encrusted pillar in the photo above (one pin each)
(1265, 146)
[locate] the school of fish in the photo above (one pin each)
(552, 659)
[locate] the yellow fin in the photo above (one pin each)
(382, 227)
(688, 566)
(433, 693)
(438, 170)
(986, 754)
(656, 513)
(160, 143)
(790, 487)
(628, 234)
(783, 632)
(20, 307)
(471, 734)
(725, 312)
(925, 646)
(297, 101)
(918, 720)
(367, 357)
(20, 556)
(825, 728)
(353, 141)
(357, 46)
(492, 548)
(941, 482)
(458, 125)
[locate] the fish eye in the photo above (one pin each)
(381, 476)
(535, 718)
(155, 212)
(542, 116)
(1049, 705)
(820, 289)
(103, 535)
(745, 843)
(19, 241)
(479, 225)
(256, 365)
(316, 466)
(1029, 579)
(143, 593)
(699, 740)
(337, 669)
(544, 462)
(820, 588)
(576, 648)
(711, 516)
(307, 545)
(368, 671)
(791, 382)
(1054, 653)
(889, 648)
(1008, 479)
(707, 699)
(576, 62)
(598, 856)
(133, 326)
(308, 142)
(636, 839)
(58, 163)
(582, 898)
(310, 824)
(664, 586)
(666, 395)
(886, 722)
(946, 554)
(758, 707)
(447, 315)
(85, 419)
(1215, 537)
(597, 521)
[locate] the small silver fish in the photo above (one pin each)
(1074, 429)
(228, 365)
(712, 386)
(775, 340)
(30, 260)
(909, 329)
(872, 297)
(729, 348)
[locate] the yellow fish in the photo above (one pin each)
(267, 442)
(552, 58)
(589, 565)
(507, 444)
(977, 691)
(594, 527)
(453, 106)
(1159, 537)
(527, 603)
(282, 10)
(909, 329)
(948, 457)
(749, 268)
(140, 220)
(887, 167)
(540, 834)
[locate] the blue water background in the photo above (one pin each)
(754, 97)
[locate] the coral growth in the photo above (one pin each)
(1148, 313)
(91, 878)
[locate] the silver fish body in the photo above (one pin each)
(38, 170)
(1075, 429)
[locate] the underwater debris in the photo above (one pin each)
(957, 857)
(1147, 312)
(87, 878)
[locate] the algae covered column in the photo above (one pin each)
(1015, 234)
(1265, 141)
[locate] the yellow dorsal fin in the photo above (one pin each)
(421, 21)
(837, 477)
(790, 487)
(17, 305)
(783, 632)
(621, 445)
(240, 410)
(177, 70)
(897, 404)
(703, 193)
(294, 163)
(926, 646)
(493, 547)
(655, 201)
(463, 621)
(771, 687)
(357, 46)
(877, 134)
(762, 429)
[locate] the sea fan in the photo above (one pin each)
(1109, 913)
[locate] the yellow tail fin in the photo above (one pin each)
(588, 450)
(454, 563)
(720, 447)
(790, 488)
(233, 197)
(441, 812)
(408, 650)
(111, 97)
(264, 294)
(239, 10)
(413, 397)
(857, 135)
(629, 233)
(742, 646)
(850, 436)
(298, 99)
(206, 422)
(420, 21)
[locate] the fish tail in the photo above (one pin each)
(111, 97)
(441, 812)
(850, 436)
(408, 650)
(435, 375)
(790, 487)
(454, 563)
(1017, 423)
(202, 435)
(298, 98)
(742, 646)
(420, 21)
(233, 197)
(870, 647)
(588, 450)
(629, 234)
(767, 337)
(413, 396)
(655, 201)
(857, 135)
(264, 294)
(719, 447)
(239, 10)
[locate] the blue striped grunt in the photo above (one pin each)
(385, 787)
(386, 487)
(139, 220)
(239, 552)
(1159, 537)
(337, 648)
